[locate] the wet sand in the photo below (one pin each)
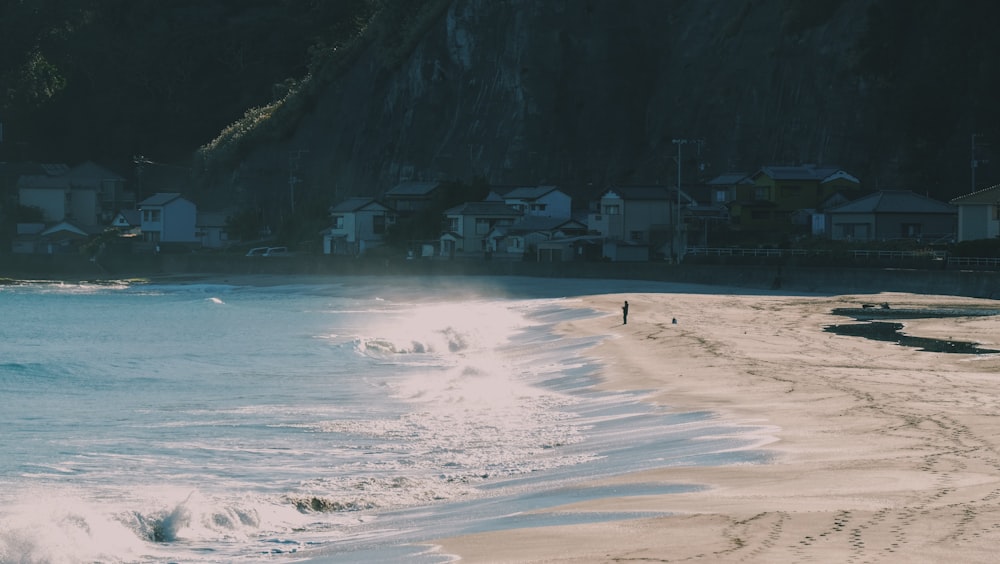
(881, 453)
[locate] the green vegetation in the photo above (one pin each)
(392, 29)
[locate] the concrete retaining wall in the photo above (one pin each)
(829, 280)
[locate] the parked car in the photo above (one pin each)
(257, 252)
(276, 252)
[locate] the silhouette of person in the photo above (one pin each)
(625, 313)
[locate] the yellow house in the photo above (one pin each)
(770, 200)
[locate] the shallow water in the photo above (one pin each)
(893, 332)
(336, 422)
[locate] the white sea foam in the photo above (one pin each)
(149, 425)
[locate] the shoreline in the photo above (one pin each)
(881, 452)
(758, 275)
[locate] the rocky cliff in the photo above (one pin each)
(583, 93)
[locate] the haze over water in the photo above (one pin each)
(338, 421)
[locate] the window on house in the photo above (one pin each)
(721, 196)
(857, 231)
(635, 235)
(338, 222)
(762, 193)
(482, 226)
(453, 224)
(612, 209)
(910, 230)
(538, 207)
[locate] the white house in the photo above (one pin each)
(540, 201)
(168, 218)
(358, 224)
(978, 214)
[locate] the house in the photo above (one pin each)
(722, 188)
(577, 248)
(27, 238)
(65, 237)
(166, 217)
(210, 229)
(358, 224)
(892, 214)
(128, 222)
(410, 197)
(109, 187)
(541, 201)
(86, 194)
(978, 214)
(636, 221)
(51, 192)
(470, 224)
(61, 237)
(770, 202)
(521, 239)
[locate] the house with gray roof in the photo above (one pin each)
(893, 214)
(520, 239)
(541, 201)
(168, 217)
(211, 229)
(358, 224)
(411, 196)
(773, 202)
(470, 224)
(722, 188)
(87, 194)
(978, 214)
(128, 222)
(637, 222)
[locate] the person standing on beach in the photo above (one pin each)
(625, 313)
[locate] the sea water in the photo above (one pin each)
(352, 419)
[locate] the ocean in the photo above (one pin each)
(346, 419)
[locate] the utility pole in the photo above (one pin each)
(680, 143)
(294, 159)
(974, 162)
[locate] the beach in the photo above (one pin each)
(879, 452)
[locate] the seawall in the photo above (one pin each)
(814, 279)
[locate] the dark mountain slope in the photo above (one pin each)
(585, 93)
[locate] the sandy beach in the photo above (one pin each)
(881, 453)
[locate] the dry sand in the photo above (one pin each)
(882, 453)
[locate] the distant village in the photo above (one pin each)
(536, 223)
